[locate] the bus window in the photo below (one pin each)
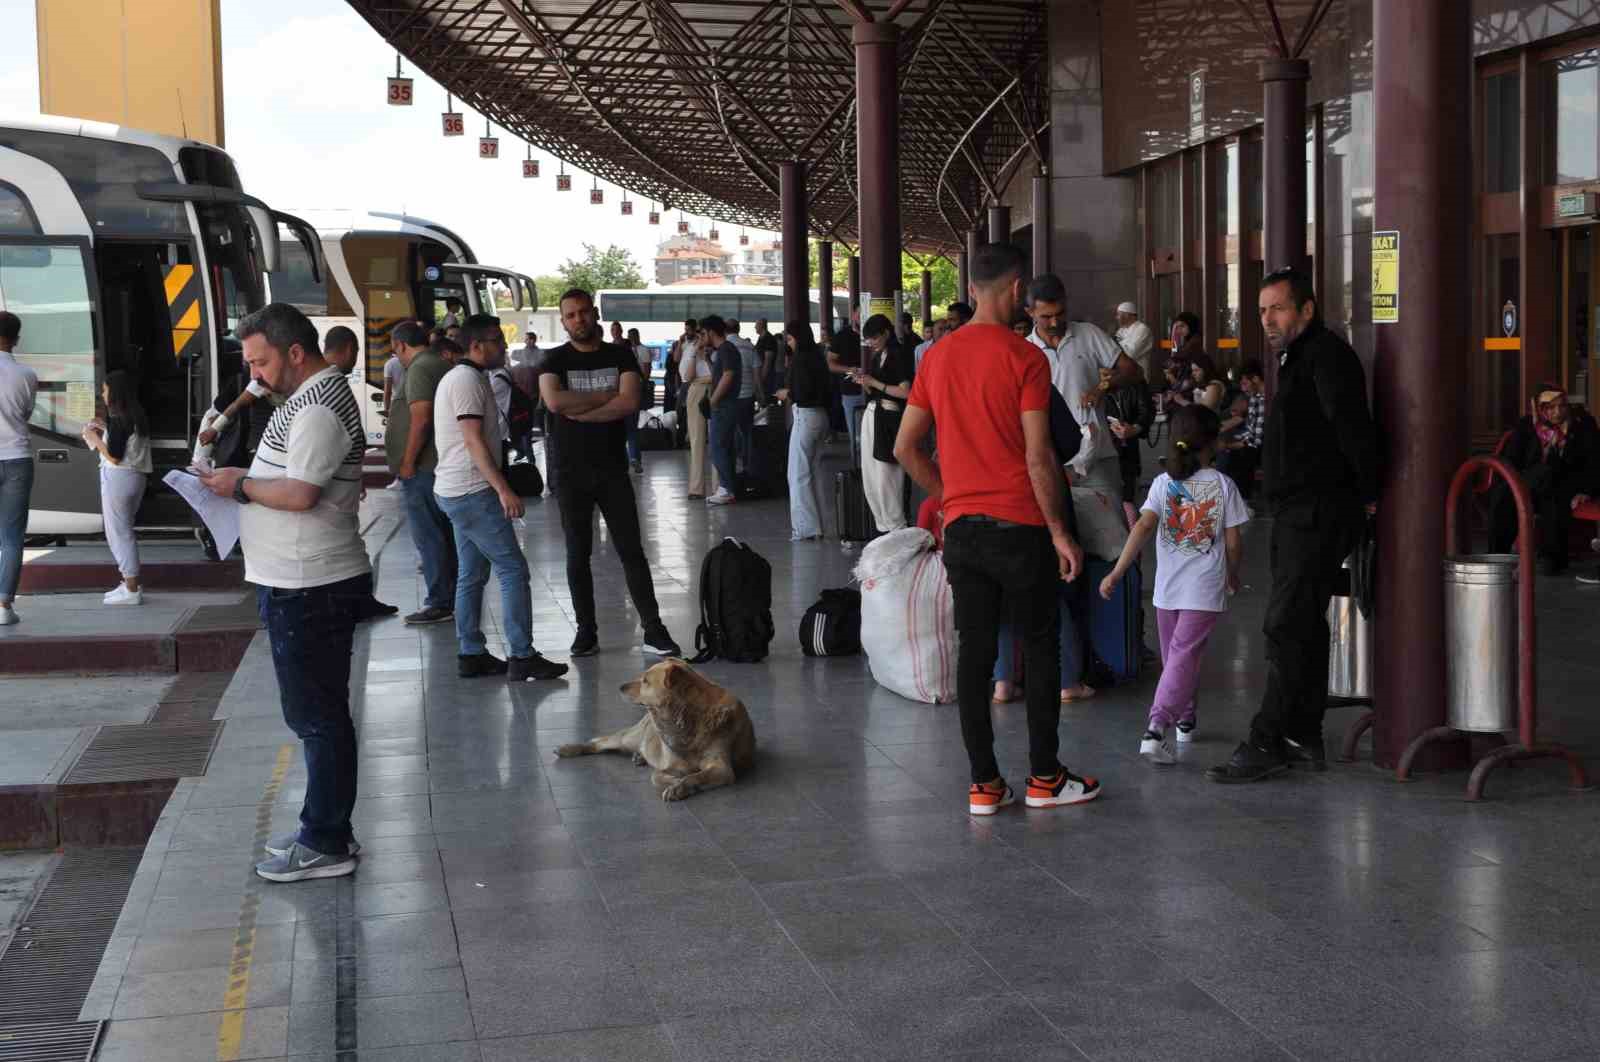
(47, 286)
(638, 308)
(752, 307)
(103, 174)
(234, 263)
(293, 283)
(16, 216)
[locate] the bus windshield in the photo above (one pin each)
(234, 261)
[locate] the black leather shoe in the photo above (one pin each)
(1249, 763)
(587, 643)
(476, 665)
(1306, 755)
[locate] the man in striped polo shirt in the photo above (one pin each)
(303, 550)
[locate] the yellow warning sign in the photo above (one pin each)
(1385, 277)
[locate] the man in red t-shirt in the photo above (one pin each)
(1005, 542)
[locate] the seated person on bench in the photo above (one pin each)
(1557, 451)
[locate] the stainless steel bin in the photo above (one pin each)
(1349, 650)
(1480, 631)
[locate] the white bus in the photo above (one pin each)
(121, 249)
(383, 269)
(659, 313)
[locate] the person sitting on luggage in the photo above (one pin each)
(886, 381)
(1557, 451)
(1196, 512)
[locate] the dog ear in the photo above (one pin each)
(679, 677)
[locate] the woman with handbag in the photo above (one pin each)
(694, 374)
(886, 381)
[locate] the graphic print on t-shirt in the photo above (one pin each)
(1192, 515)
(589, 381)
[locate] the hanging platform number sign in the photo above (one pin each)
(530, 167)
(627, 208)
(683, 228)
(563, 182)
(488, 147)
(597, 196)
(655, 217)
(399, 92)
(454, 124)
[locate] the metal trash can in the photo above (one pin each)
(1480, 631)
(1349, 649)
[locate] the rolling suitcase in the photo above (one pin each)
(768, 474)
(1114, 624)
(852, 515)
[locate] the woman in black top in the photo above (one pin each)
(886, 381)
(808, 388)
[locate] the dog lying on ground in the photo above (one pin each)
(694, 733)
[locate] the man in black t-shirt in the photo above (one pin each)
(590, 389)
(844, 357)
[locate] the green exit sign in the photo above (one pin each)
(1575, 205)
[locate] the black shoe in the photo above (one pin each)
(1307, 755)
(529, 668)
(431, 614)
(372, 609)
(1249, 763)
(587, 643)
(477, 665)
(658, 641)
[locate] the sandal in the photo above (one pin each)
(1016, 694)
(1078, 693)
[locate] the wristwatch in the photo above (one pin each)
(238, 491)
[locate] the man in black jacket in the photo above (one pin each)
(1319, 455)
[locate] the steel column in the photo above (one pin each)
(825, 291)
(1041, 224)
(927, 300)
(796, 256)
(878, 154)
(1422, 99)
(999, 223)
(1283, 162)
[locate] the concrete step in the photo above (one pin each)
(164, 566)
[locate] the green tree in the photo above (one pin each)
(944, 279)
(613, 267)
(550, 286)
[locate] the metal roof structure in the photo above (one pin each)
(696, 104)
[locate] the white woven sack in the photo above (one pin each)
(1102, 525)
(908, 627)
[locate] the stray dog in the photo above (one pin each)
(694, 733)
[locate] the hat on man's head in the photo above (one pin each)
(1128, 307)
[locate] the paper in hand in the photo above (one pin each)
(220, 515)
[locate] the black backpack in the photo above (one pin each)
(735, 605)
(832, 626)
(519, 413)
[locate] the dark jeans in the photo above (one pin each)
(1310, 541)
(16, 483)
(311, 632)
(1552, 507)
(1240, 466)
(746, 427)
(1005, 573)
(582, 491)
(724, 432)
(434, 539)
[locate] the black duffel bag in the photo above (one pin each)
(832, 626)
(655, 435)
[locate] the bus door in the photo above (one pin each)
(49, 282)
(481, 283)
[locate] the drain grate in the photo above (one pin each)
(49, 1041)
(138, 752)
(50, 963)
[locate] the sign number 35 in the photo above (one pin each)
(399, 92)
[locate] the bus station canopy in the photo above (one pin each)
(695, 105)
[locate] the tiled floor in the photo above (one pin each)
(838, 903)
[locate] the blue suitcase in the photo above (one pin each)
(1114, 624)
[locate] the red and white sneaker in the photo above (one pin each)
(1065, 788)
(989, 797)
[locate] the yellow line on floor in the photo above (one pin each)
(230, 1033)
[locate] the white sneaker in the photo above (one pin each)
(1159, 748)
(8, 616)
(1185, 731)
(721, 497)
(123, 596)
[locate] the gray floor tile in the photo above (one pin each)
(390, 1021)
(641, 1043)
(558, 987)
(156, 995)
(384, 974)
(779, 1035)
(193, 1037)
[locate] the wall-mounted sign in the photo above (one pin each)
(399, 92)
(1197, 106)
(1576, 205)
(488, 147)
(1508, 318)
(1386, 277)
(530, 167)
(454, 124)
(563, 182)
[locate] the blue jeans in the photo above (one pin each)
(435, 542)
(1071, 640)
(485, 539)
(632, 421)
(853, 405)
(746, 408)
(311, 632)
(724, 431)
(16, 483)
(805, 448)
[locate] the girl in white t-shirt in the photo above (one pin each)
(1195, 512)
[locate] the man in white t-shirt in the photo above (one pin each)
(19, 387)
(1078, 352)
(1134, 336)
(303, 550)
(468, 485)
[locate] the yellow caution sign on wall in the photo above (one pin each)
(1386, 277)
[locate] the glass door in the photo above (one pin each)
(1577, 310)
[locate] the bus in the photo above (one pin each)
(122, 249)
(659, 313)
(383, 269)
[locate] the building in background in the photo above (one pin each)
(757, 263)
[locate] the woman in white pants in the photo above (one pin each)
(886, 381)
(807, 387)
(694, 370)
(123, 443)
